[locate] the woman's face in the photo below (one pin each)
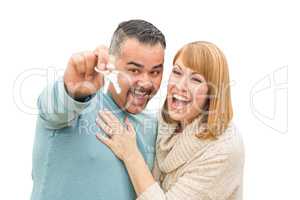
(187, 93)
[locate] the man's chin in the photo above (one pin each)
(133, 109)
(134, 106)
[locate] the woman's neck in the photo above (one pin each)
(183, 124)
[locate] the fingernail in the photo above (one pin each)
(100, 136)
(101, 65)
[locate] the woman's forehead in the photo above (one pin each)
(188, 67)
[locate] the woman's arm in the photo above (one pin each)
(212, 176)
(139, 173)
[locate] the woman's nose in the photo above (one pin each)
(182, 84)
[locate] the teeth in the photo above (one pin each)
(180, 98)
(137, 92)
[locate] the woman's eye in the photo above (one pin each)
(197, 80)
(176, 72)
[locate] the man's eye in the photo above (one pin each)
(155, 73)
(134, 71)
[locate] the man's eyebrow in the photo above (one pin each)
(135, 64)
(158, 66)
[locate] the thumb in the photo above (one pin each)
(102, 57)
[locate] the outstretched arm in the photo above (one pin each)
(61, 102)
(56, 108)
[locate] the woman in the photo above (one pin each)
(199, 154)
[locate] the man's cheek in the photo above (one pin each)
(125, 79)
(157, 84)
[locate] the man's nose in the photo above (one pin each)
(145, 81)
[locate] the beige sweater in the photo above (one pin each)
(187, 168)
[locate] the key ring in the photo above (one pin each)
(110, 76)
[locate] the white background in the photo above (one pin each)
(259, 38)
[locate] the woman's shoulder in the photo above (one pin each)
(231, 139)
(228, 145)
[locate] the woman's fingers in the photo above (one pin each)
(122, 145)
(104, 140)
(107, 130)
(109, 118)
(112, 125)
(112, 121)
(129, 126)
(104, 117)
(112, 117)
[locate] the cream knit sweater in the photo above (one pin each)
(187, 168)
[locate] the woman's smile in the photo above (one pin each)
(187, 91)
(179, 102)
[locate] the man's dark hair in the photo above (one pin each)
(141, 30)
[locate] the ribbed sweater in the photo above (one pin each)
(189, 168)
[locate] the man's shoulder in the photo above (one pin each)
(145, 115)
(148, 122)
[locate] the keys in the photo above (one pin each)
(110, 76)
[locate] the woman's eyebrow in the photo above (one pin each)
(196, 73)
(178, 66)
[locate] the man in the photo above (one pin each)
(68, 161)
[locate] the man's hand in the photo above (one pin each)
(80, 77)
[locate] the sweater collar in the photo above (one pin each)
(175, 149)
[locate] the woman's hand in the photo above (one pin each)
(121, 140)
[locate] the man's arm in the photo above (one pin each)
(61, 102)
(56, 108)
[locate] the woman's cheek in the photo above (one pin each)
(171, 84)
(172, 81)
(200, 96)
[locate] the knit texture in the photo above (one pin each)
(189, 168)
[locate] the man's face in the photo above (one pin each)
(141, 67)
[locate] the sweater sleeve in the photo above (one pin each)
(56, 108)
(155, 171)
(212, 178)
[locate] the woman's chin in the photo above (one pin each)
(176, 116)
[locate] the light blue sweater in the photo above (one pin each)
(69, 163)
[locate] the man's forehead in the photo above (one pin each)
(132, 47)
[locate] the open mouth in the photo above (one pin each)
(140, 96)
(179, 102)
